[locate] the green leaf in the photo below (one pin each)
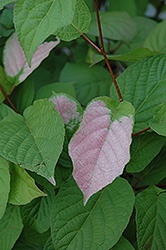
(143, 149)
(57, 87)
(122, 5)
(35, 21)
(4, 185)
(7, 18)
(156, 170)
(115, 26)
(10, 227)
(123, 244)
(159, 124)
(49, 244)
(23, 188)
(143, 84)
(133, 56)
(5, 111)
(156, 40)
(6, 85)
(35, 139)
(81, 21)
(37, 213)
(151, 218)
(23, 95)
(32, 236)
(141, 7)
(5, 2)
(88, 83)
(144, 26)
(96, 226)
(22, 243)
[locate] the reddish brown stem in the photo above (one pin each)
(90, 42)
(142, 131)
(6, 96)
(11, 90)
(103, 52)
(134, 186)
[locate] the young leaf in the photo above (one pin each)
(156, 39)
(35, 21)
(35, 139)
(69, 109)
(143, 149)
(96, 226)
(6, 85)
(5, 111)
(23, 188)
(151, 218)
(81, 21)
(88, 83)
(4, 185)
(115, 26)
(100, 147)
(10, 227)
(143, 84)
(159, 124)
(15, 63)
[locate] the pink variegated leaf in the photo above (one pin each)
(15, 63)
(100, 148)
(70, 111)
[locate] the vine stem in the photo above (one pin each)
(101, 51)
(7, 98)
(104, 54)
(140, 132)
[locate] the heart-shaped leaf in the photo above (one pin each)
(100, 147)
(35, 139)
(15, 63)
